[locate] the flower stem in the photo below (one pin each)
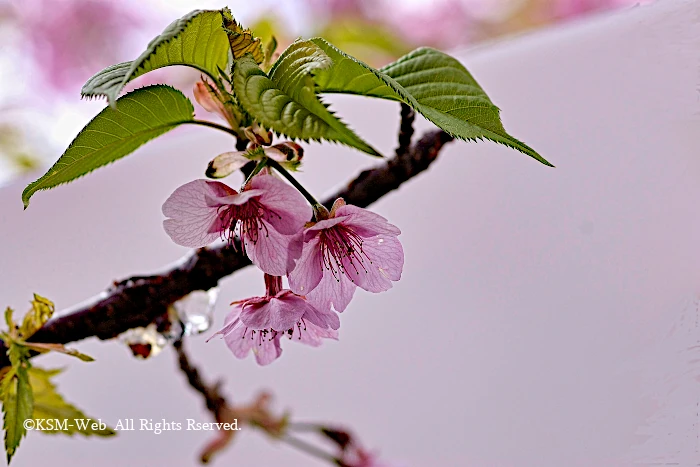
(214, 125)
(293, 181)
(305, 426)
(309, 449)
(260, 165)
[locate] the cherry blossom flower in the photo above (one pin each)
(260, 323)
(266, 214)
(352, 248)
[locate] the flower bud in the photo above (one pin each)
(288, 154)
(225, 164)
(258, 135)
(213, 100)
(207, 97)
(320, 212)
(337, 204)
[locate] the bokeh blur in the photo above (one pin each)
(49, 48)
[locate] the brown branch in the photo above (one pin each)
(139, 301)
(406, 130)
(257, 414)
(215, 402)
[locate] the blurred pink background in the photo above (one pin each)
(546, 317)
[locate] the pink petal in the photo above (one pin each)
(366, 223)
(289, 208)
(332, 292)
(322, 317)
(280, 313)
(204, 98)
(192, 196)
(326, 223)
(233, 333)
(230, 323)
(267, 350)
(237, 199)
(385, 264)
(192, 222)
(237, 341)
(241, 340)
(273, 252)
(312, 335)
(386, 254)
(307, 272)
(194, 234)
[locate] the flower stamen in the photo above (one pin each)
(248, 218)
(340, 243)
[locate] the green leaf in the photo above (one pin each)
(115, 132)
(49, 404)
(60, 348)
(270, 48)
(198, 40)
(8, 319)
(41, 312)
(8, 379)
(17, 406)
(286, 100)
(431, 82)
(16, 353)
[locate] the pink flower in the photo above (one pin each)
(259, 323)
(352, 248)
(268, 214)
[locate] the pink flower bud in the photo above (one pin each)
(207, 97)
(225, 164)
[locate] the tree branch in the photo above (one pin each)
(139, 301)
(257, 414)
(216, 403)
(406, 130)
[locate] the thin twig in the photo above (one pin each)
(255, 415)
(214, 400)
(309, 449)
(242, 145)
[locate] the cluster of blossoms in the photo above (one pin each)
(324, 255)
